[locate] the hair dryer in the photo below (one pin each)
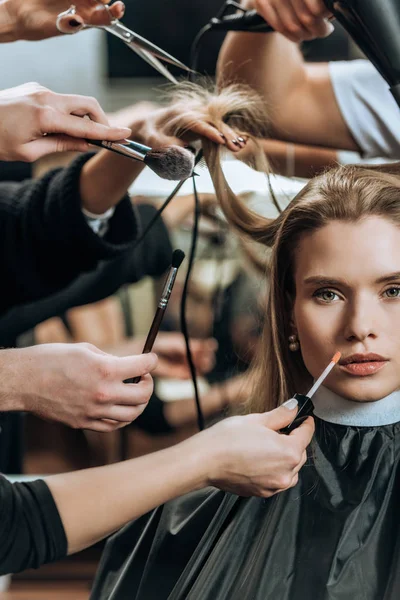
(373, 24)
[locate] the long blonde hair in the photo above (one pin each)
(347, 193)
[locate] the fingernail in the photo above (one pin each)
(235, 142)
(290, 404)
(240, 139)
(330, 28)
(222, 135)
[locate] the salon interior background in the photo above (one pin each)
(94, 64)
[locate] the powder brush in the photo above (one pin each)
(168, 162)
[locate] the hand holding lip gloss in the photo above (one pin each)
(304, 400)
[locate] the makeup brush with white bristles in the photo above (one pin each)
(169, 162)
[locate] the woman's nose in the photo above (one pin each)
(361, 321)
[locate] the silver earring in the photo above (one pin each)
(294, 344)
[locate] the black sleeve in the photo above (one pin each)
(152, 257)
(45, 239)
(31, 530)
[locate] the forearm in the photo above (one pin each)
(299, 97)
(7, 29)
(105, 179)
(94, 503)
(269, 63)
(298, 160)
(12, 389)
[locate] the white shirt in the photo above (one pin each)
(368, 107)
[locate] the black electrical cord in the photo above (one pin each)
(184, 329)
(195, 48)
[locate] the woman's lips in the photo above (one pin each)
(362, 369)
(362, 365)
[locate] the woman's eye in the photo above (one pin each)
(326, 295)
(393, 292)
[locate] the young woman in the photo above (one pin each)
(334, 286)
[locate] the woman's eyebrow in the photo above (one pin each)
(321, 280)
(389, 277)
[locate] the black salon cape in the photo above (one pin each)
(335, 536)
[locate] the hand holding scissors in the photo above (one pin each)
(103, 17)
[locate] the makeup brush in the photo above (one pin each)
(306, 407)
(168, 162)
(177, 258)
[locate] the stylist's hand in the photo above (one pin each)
(77, 384)
(155, 126)
(35, 121)
(36, 19)
(298, 20)
(247, 455)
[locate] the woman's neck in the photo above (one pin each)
(330, 407)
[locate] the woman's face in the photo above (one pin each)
(348, 299)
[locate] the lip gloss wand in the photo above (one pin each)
(306, 407)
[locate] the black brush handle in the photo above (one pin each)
(148, 346)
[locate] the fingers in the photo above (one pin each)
(50, 144)
(304, 433)
(312, 15)
(219, 134)
(297, 20)
(56, 122)
(287, 22)
(231, 138)
(123, 414)
(209, 131)
(104, 426)
(131, 394)
(101, 16)
(281, 416)
(84, 13)
(133, 366)
(82, 106)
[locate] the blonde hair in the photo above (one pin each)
(347, 193)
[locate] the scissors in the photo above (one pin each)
(148, 51)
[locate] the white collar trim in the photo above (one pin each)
(330, 407)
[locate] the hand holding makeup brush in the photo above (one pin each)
(36, 121)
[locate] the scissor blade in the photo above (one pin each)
(152, 60)
(158, 52)
(128, 36)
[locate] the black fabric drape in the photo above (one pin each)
(335, 536)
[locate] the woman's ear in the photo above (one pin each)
(289, 301)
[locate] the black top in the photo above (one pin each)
(334, 536)
(45, 240)
(31, 530)
(151, 257)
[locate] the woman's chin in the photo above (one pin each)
(364, 389)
